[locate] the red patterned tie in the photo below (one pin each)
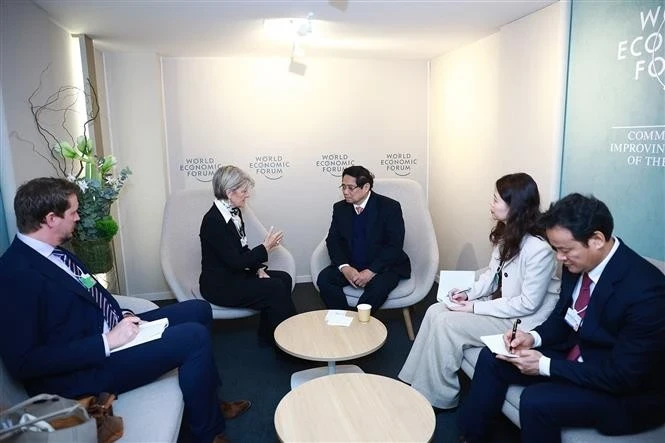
(581, 307)
(96, 291)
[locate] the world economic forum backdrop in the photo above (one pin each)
(614, 142)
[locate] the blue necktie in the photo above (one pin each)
(97, 291)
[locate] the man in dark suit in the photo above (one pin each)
(365, 244)
(60, 325)
(599, 359)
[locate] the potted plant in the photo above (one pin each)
(77, 160)
(99, 189)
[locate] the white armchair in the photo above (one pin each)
(419, 244)
(181, 247)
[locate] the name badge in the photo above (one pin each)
(87, 281)
(573, 319)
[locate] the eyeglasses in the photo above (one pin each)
(348, 187)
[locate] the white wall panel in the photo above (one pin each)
(133, 87)
(29, 43)
(294, 134)
(496, 108)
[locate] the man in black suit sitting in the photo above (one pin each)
(598, 360)
(365, 243)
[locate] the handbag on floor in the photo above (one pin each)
(47, 418)
(109, 427)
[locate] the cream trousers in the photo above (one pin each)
(436, 356)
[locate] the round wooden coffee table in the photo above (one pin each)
(354, 407)
(307, 336)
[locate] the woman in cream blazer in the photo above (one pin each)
(520, 282)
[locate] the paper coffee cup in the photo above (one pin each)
(363, 312)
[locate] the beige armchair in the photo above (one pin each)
(181, 248)
(419, 244)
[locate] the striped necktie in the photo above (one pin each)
(97, 291)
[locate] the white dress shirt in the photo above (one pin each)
(47, 251)
(594, 275)
(225, 209)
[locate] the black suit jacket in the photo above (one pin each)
(51, 328)
(622, 337)
(384, 239)
(224, 261)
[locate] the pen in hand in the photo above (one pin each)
(454, 292)
(512, 335)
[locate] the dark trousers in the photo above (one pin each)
(185, 345)
(548, 405)
(331, 283)
(271, 296)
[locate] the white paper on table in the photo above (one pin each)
(335, 313)
(337, 317)
(453, 279)
(496, 345)
(148, 331)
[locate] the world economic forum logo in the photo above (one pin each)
(199, 168)
(334, 164)
(647, 48)
(399, 163)
(271, 167)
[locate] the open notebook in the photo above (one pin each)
(496, 344)
(453, 279)
(148, 331)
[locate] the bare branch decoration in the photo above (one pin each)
(61, 104)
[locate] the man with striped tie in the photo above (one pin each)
(59, 325)
(598, 360)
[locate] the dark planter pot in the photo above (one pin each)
(95, 254)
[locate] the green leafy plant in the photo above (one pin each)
(107, 227)
(99, 189)
(76, 159)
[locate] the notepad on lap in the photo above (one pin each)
(453, 279)
(496, 345)
(148, 331)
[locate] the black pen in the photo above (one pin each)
(512, 335)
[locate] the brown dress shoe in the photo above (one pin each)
(233, 409)
(221, 438)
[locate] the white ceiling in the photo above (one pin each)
(405, 29)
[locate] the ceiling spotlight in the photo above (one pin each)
(288, 28)
(305, 28)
